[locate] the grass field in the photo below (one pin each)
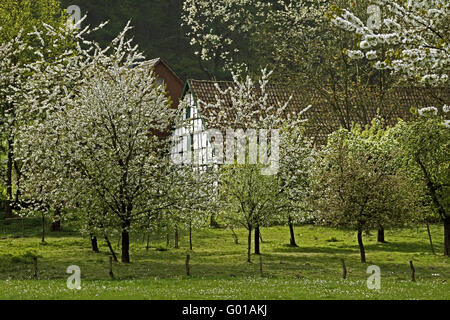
(219, 269)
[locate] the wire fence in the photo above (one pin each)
(17, 227)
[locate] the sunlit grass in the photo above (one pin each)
(219, 269)
(223, 289)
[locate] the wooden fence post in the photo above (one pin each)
(261, 266)
(188, 269)
(35, 267)
(344, 270)
(413, 271)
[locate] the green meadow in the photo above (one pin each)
(218, 267)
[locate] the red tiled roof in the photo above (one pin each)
(330, 111)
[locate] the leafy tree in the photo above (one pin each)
(249, 185)
(19, 21)
(415, 33)
(410, 39)
(355, 179)
(195, 200)
(425, 143)
(248, 199)
(299, 42)
(104, 149)
(297, 158)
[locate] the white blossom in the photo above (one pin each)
(426, 110)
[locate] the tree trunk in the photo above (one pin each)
(188, 268)
(257, 249)
(125, 242)
(447, 236)
(413, 271)
(43, 228)
(249, 247)
(176, 238)
(9, 170)
(361, 246)
(35, 259)
(56, 225)
(235, 237)
(213, 223)
(380, 236)
(291, 231)
(429, 238)
(190, 235)
(148, 241)
(110, 248)
(111, 274)
(94, 243)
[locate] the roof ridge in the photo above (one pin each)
(223, 81)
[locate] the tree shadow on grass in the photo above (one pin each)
(397, 246)
(400, 246)
(316, 249)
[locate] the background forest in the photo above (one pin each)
(157, 29)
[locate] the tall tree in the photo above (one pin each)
(354, 182)
(426, 146)
(411, 35)
(105, 147)
(19, 20)
(249, 199)
(297, 158)
(414, 34)
(249, 185)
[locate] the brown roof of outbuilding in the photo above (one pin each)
(330, 111)
(154, 62)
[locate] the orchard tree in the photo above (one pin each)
(406, 38)
(106, 145)
(19, 20)
(297, 40)
(249, 187)
(416, 33)
(248, 199)
(354, 182)
(61, 57)
(297, 158)
(425, 143)
(216, 30)
(195, 200)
